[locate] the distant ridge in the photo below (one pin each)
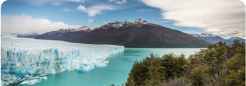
(138, 33)
(28, 35)
(211, 38)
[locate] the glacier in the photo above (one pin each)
(27, 61)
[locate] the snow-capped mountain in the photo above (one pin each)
(83, 28)
(204, 35)
(116, 24)
(236, 38)
(61, 31)
(211, 38)
(138, 22)
(138, 33)
(231, 40)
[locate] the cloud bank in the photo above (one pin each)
(54, 2)
(222, 17)
(96, 9)
(26, 24)
(118, 1)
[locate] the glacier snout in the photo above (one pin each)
(22, 58)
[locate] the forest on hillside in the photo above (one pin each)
(218, 65)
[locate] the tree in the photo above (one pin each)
(215, 56)
(236, 62)
(236, 78)
(155, 72)
(148, 72)
(174, 65)
(197, 76)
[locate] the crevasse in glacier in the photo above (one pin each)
(23, 58)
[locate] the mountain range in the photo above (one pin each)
(211, 38)
(138, 33)
(28, 35)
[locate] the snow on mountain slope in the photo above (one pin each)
(28, 59)
(83, 28)
(236, 38)
(231, 40)
(204, 35)
(211, 38)
(138, 22)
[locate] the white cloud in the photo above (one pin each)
(80, 7)
(121, 2)
(222, 17)
(96, 9)
(112, 0)
(54, 2)
(26, 24)
(118, 1)
(90, 21)
(66, 10)
(76, 0)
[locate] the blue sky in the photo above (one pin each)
(75, 13)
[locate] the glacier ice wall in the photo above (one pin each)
(22, 58)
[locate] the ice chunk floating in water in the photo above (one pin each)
(22, 58)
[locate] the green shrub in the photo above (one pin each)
(197, 76)
(219, 65)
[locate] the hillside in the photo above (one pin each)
(138, 33)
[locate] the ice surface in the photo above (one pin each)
(33, 80)
(22, 58)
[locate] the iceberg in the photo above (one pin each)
(23, 58)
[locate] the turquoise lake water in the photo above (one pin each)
(116, 71)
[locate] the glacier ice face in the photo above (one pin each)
(33, 80)
(21, 57)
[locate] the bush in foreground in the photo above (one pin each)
(219, 65)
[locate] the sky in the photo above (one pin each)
(225, 18)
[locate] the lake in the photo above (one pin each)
(116, 71)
